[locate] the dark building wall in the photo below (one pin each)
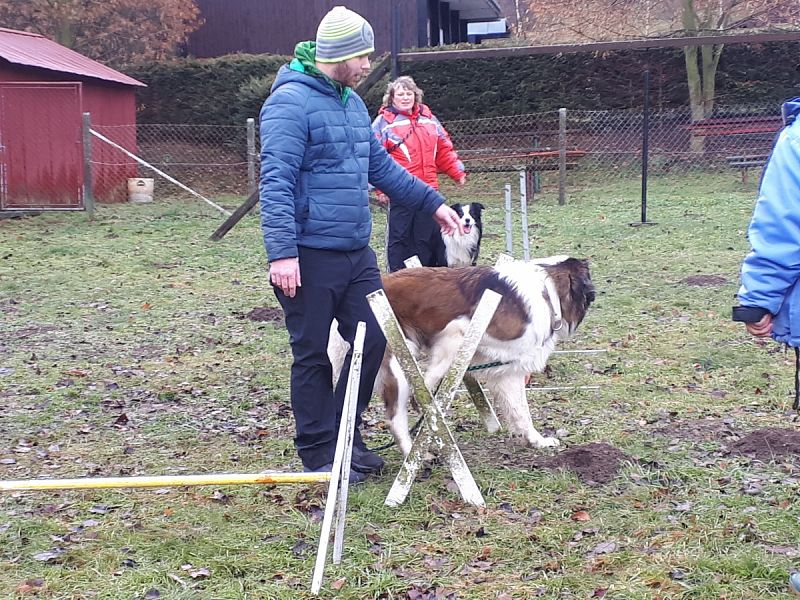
(275, 26)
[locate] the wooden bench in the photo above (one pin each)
(736, 126)
(745, 162)
(532, 163)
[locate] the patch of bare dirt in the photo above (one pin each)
(701, 280)
(595, 463)
(697, 430)
(768, 444)
(265, 313)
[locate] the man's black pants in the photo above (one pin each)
(413, 232)
(334, 285)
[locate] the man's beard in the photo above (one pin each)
(344, 76)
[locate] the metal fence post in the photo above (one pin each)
(523, 205)
(251, 155)
(509, 222)
(562, 155)
(88, 197)
(645, 142)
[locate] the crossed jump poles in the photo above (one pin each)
(435, 431)
(337, 478)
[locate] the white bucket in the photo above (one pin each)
(140, 189)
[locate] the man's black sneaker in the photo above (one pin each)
(355, 476)
(366, 461)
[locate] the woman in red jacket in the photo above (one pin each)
(415, 138)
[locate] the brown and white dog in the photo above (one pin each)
(543, 302)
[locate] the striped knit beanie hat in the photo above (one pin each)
(343, 34)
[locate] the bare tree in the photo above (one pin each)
(112, 31)
(560, 21)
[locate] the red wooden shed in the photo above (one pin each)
(44, 89)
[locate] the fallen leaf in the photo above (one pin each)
(48, 555)
(300, 548)
(581, 515)
(339, 584)
(77, 372)
(604, 548)
(200, 573)
(784, 550)
(221, 497)
(30, 585)
(174, 577)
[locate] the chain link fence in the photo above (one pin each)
(557, 147)
(609, 143)
(211, 159)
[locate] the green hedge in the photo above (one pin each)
(228, 89)
(209, 91)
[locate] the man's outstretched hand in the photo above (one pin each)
(448, 220)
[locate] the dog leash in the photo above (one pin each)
(796, 404)
(487, 365)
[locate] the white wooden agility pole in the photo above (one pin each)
(412, 262)
(508, 222)
(523, 206)
(143, 162)
(434, 430)
(341, 465)
(337, 478)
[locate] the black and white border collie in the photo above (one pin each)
(463, 250)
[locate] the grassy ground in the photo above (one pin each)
(126, 349)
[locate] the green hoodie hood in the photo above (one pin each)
(304, 61)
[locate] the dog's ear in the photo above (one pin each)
(581, 289)
(479, 206)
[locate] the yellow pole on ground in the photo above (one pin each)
(93, 483)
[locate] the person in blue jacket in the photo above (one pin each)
(318, 156)
(769, 296)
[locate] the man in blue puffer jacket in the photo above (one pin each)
(318, 155)
(769, 296)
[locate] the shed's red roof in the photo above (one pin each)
(34, 50)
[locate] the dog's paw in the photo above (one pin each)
(545, 442)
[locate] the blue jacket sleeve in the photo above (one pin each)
(397, 183)
(773, 265)
(284, 131)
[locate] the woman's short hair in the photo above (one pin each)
(404, 81)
